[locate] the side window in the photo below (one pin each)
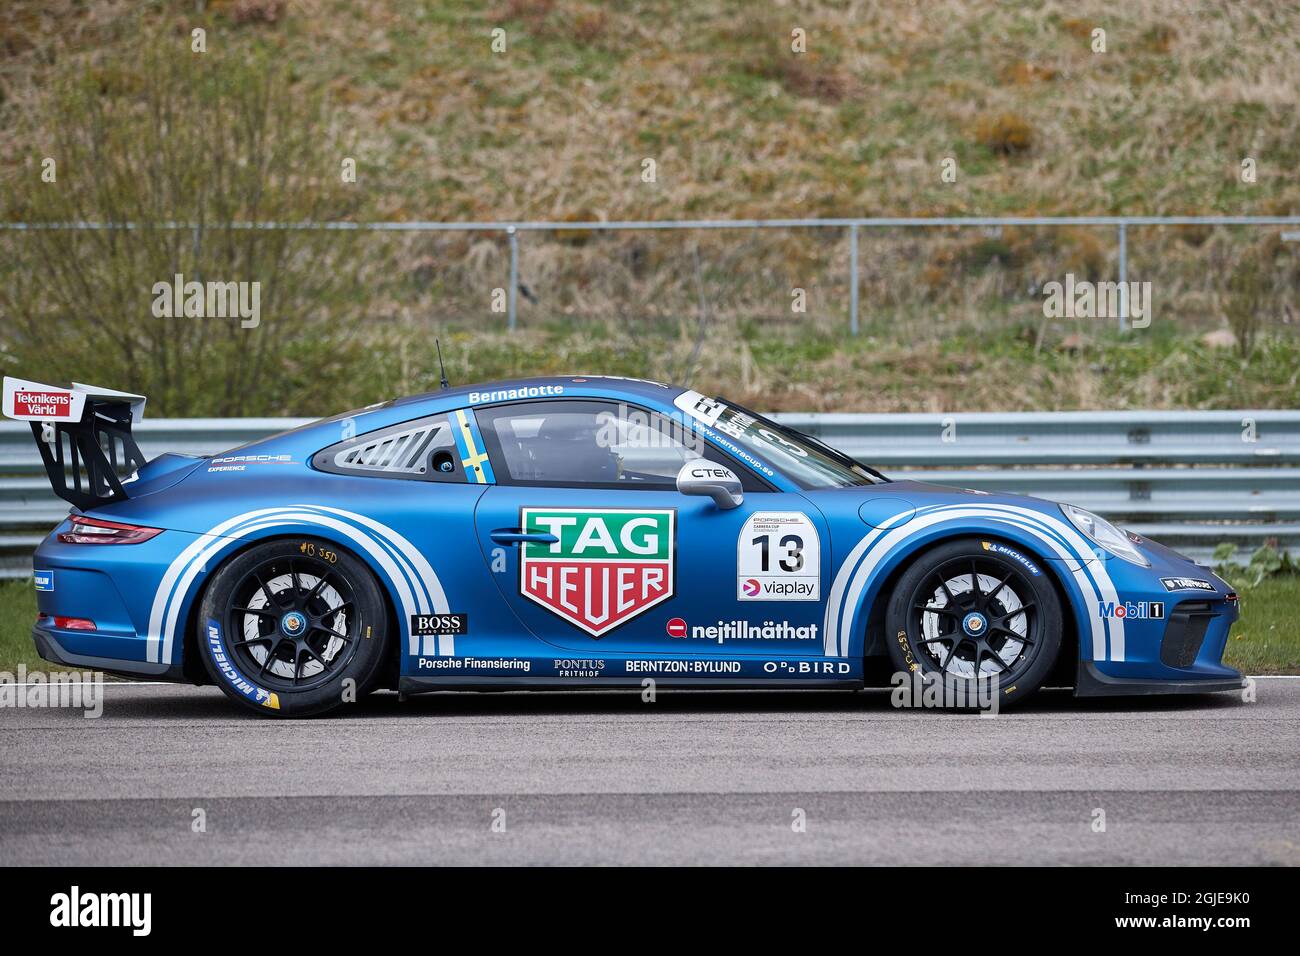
(423, 449)
(577, 442)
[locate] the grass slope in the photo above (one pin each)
(560, 126)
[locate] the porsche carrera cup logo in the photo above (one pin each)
(605, 567)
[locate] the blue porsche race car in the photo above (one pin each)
(576, 532)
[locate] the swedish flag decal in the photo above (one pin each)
(470, 444)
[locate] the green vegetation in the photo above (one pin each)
(17, 615)
(1266, 562)
(1267, 638)
(558, 127)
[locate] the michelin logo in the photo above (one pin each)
(1011, 553)
(257, 695)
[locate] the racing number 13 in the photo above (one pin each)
(778, 558)
(793, 559)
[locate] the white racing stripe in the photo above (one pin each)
(424, 571)
(364, 541)
(168, 583)
(413, 579)
(867, 568)
(855, 573)
(830, 627)
(1083, 561)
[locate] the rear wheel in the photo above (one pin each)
(293, 628)
(984, 620)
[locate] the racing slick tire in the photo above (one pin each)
(979, 616)
(293, 628)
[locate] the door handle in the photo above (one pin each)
(511, 536)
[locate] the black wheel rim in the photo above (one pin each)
(293, 623)
(975, 617)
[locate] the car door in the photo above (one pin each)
(597, 552)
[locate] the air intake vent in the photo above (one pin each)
(396, 453)
(1185, 633)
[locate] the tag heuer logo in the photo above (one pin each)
(608, 566)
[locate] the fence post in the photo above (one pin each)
(853, 280)
(1123, 276)
(513, 291)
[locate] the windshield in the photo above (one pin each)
(809, 462)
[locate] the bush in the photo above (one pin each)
(1266, 562)
(1006, 134)
(194, 138)
(1260, 288)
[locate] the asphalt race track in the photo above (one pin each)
(693, 778)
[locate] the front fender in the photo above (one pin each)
(1054, 546)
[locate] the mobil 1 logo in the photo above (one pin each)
(778, 558)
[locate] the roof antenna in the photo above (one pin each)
(441, 368)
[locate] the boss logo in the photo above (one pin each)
(422, 624)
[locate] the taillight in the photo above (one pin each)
(67, 623)
(74, 623)
(96, 531)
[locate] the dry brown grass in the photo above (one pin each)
(1005, 134)
(557, 128)
(857, 124)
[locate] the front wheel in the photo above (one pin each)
(978, 615)
(293, 628)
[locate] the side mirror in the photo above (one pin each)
(701, 477)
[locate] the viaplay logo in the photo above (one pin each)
(751, 588)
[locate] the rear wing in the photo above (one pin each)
(84, 436)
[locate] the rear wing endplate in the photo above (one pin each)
(84, 436)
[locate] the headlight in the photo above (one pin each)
(1101, 532)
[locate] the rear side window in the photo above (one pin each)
(423, 449)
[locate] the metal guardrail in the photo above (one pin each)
(1191, 480)
(1188, 479)
(513, 230)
